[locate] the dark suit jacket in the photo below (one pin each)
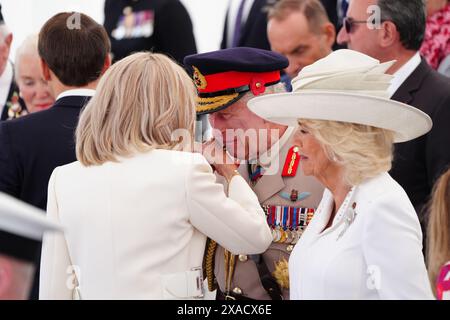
(418, 163)
(331, 8)
(31, 147)
(254, 32)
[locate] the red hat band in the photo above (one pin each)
(233, 79)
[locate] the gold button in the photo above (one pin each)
(243, 258)
(295, 149)
(290, 248)
(258, 85)
(237, 290)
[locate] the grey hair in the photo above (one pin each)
(409, 16)
(28, 47)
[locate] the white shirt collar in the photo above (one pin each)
(403, 73)
(5, 84)
(76, 92)
(270, 155)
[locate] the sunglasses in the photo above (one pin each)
(349, 24)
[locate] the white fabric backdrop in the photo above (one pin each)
(24, 17)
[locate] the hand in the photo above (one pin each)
(219, 159)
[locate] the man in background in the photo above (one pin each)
(393, 31)
(301, 31)
(9, 92)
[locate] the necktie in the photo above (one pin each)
(238, 25)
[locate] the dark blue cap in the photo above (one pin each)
(222, 77)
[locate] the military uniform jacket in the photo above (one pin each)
(157, 25)
(273, 192)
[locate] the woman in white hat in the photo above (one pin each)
(365, 240)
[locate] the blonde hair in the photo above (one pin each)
(363, 151)
(140, 101)
(438, 238)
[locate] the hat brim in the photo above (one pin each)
(405, 121)
(214, 104)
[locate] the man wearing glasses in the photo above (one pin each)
(394, 30)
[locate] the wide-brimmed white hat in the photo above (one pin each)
(345, 86)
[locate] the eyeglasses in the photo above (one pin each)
(349, 24)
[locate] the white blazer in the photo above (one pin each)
(137, 229)
(371, 252)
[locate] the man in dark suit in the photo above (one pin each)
(74, 52)
(397, 35)
(10, 106)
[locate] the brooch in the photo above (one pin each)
(15, 110)
(350, 216)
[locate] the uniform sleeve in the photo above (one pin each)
(174, 33)
(236, 222)
(56, 279)
(392, 246)
(9, 165)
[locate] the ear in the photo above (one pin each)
(107, 63)
(388, 34)
(9, 40)
(329, 32)
(6, 277)
(46, 74)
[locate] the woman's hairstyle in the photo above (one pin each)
(363, 151)
(28, 47)
(438, 238)
(139, 103)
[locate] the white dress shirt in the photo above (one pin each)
(403, 73)
(136, 229)
(373, 251)
(76, 92)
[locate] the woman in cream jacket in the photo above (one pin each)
(137, 209)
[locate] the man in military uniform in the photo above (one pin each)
(226, 80)
(11, 105)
